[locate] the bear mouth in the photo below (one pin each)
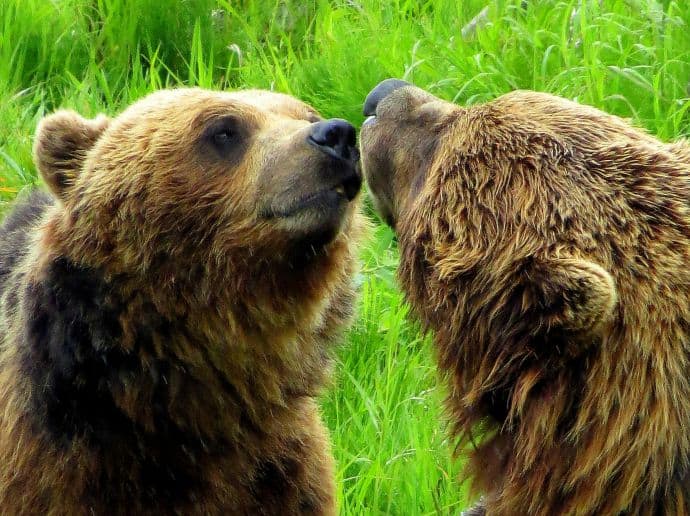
(325, 200)
(369, 121)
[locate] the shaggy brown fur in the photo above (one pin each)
(166, 314)
(547, 245)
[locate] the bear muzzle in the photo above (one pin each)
(381, 91)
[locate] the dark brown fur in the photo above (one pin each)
(547, 246)
(164, 331)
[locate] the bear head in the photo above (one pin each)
(199, 177)
(491, 191)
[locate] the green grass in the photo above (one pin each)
(629, 57)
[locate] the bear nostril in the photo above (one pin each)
(335, 137)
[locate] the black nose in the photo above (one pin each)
(335, 137)
(381, 91)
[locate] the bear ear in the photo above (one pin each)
(61, 143)
(573, 294)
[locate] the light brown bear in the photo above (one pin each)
(547, 245)
(168, 309)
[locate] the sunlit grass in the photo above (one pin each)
(630, 57)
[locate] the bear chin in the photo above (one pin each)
(316, 220)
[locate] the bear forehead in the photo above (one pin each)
(195, 102)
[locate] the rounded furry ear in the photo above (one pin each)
(575, 294)
(61, 143)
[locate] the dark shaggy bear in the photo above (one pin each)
(167, 310)
(547, 246)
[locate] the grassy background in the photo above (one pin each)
(629, 57)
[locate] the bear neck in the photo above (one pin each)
(120, 360)
(274, 284)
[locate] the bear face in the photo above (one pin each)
(252, 175)
(501, 165)
(543, 242)
(168, 307)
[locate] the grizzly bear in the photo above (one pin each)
(168, 308)
(546, 244)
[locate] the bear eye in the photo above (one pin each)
(224, 134)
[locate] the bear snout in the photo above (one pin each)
(381, 91)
